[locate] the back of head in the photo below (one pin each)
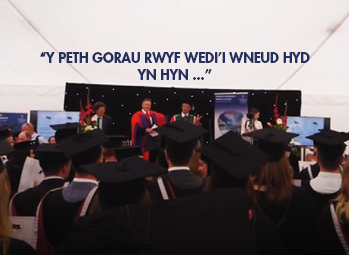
(276, 177)
(180, 154)
(52, 163)
(330, 157)
(90, 156)
(111, 195)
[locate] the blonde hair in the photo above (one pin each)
(5, 224)
(276, 177)
(342, 206)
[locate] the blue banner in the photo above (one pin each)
(230, 110)
(14, 120)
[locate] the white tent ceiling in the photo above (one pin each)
(28, 28)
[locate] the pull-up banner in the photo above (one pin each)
(13, 120)
(230, 109)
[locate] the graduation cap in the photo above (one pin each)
(122, 183)
(235, 155)
(5, 148)
(272, 141)
(328, 137)
(64, 131)
(24, 146)
(329, 143)
(126, 171)
(181, 131)
(49, 148)
(128, 152)
(82, 142)
(115, 141)
(5, 132)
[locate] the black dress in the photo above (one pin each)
(18, 247)
(178, 183)
(26, 202)
(294, 221)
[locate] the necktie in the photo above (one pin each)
(148, 118)
(186, 117)
(99, 122)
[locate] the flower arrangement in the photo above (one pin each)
(86, 122)
(281, 124)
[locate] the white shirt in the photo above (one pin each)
(185, 115)
(151, 119)
(327, 183)
(100, 122)
(41, 139)
(178, 168)
(52, 177)
(84, 180)
(246, 129)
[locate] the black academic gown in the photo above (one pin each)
(18, 247)
(59, 216)
(178, 183)
(319, 201)
(26, 202)
(304, 174)
(328, 241)
(294, 221)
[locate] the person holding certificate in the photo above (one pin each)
(143, 124)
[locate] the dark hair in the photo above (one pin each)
(98, 105)
(49, 140)
(111, 195)
(221, 179)
(87, 157)
(330, 156)
(254, 111)
(52, 163)
(180, 153)
(146, 100)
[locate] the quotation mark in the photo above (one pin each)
(43, 54)
(198, 78)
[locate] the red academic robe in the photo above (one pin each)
(139, 123)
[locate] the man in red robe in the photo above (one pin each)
(143, 124)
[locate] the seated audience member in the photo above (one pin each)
(8, 245)
(65, 131)
(24, 137)
(52, 139)
(6, 134)
(308, 174)
(127, 152)
(287, 206)
(56, 168)
(232, 166)
(61, 208)
(114, 142)
(204, 164)
(16, 161)
(121, 183)
(181, 139)
(326, 186)
(333, 222)
(29, 128)
(206, 223)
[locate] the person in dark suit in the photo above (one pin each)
(104, 121)
(181, 139)
(56, 168)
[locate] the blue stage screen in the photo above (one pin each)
(47, 118)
